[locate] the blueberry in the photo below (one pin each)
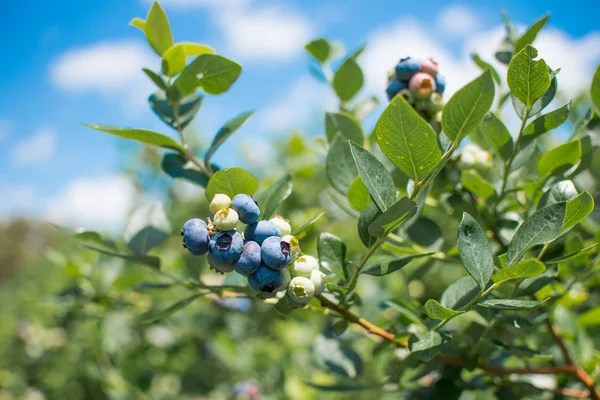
(287, 277)
(294, 245)
(219, 266)
(304, 266)
(421, 85)
(265, 279)
(226, 219)
(406, 68)
(276, 253)
(301, 290)
(249, 260)
(219, 202)
(195, 236)
(283, 224)
(226, 247)
(440, 84)
(394, 87)
(429, 66)
(246, 207)
(261, 230)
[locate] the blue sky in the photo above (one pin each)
(79, 61)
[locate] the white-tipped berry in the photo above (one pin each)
(301, 290)
(226, 219)
(283, 224)
(294, 245)
(219, 202)
(304, 266)
(319, 279)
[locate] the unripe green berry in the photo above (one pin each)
(319, 279)
(304, 266)
(226, 219)
(219, 202)
(287, 277)
(301, 290)
(283, 224)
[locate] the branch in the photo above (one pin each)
(572, 370)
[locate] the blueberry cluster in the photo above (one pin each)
(419, 82)
(267, 254)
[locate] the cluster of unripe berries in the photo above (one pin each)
(419, 82)
(267, 254)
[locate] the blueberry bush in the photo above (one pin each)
(436, 255)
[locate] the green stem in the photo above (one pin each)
(508, 165)
(364, 260)
(469, 306)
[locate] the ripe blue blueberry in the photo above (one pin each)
(246, 208)
(195, 236)
(219, 266)
(249, 260)
(276, 253)
(440, 84)
(265, 279)
(226, 246)
(261, 230)
(394, 87)
(406, 68)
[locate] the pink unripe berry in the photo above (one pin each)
(421, 85)
(429, 66)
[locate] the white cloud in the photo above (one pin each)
(110, 68)
(458, 20)
(264, 34)
(99, 203)
(37, 148)
(302, 102)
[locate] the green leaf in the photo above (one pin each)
(343, 124)
(391, 265)
(358, 195)
(338, 388)
(87, 236)
(332, 254)
(486, 66)
(348, 79)
(435, 310)
(590, 317)
(541, 227)
(272, 198)
(342, 202)
(212, 73)
(157, 29)
(475, 250)
(140, 135)
(406, 310)
(529, 286)
(340, 167)
(531, 33)
(524, 269)
(561, 191)
(364, 221)
(231, 181)
(528, 79)
(156, 78)
(547, 122)
(320, 49)
(559, 158)
(459, 293)
(475, 184)
(225, 132)
(176, 166)
(147, 227)
(375, 176)
(339, 326)
(305, 226)
(578, 209)
(149, 261)
(175, 57)
(542, 102)
(392, 218)
(171, 310)
(570, 256)
(426, 345)
(467, 107)
(492, 135)
(511, 304)
(336, 356)
(188, 108)
(595, 90)
(407, 140)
